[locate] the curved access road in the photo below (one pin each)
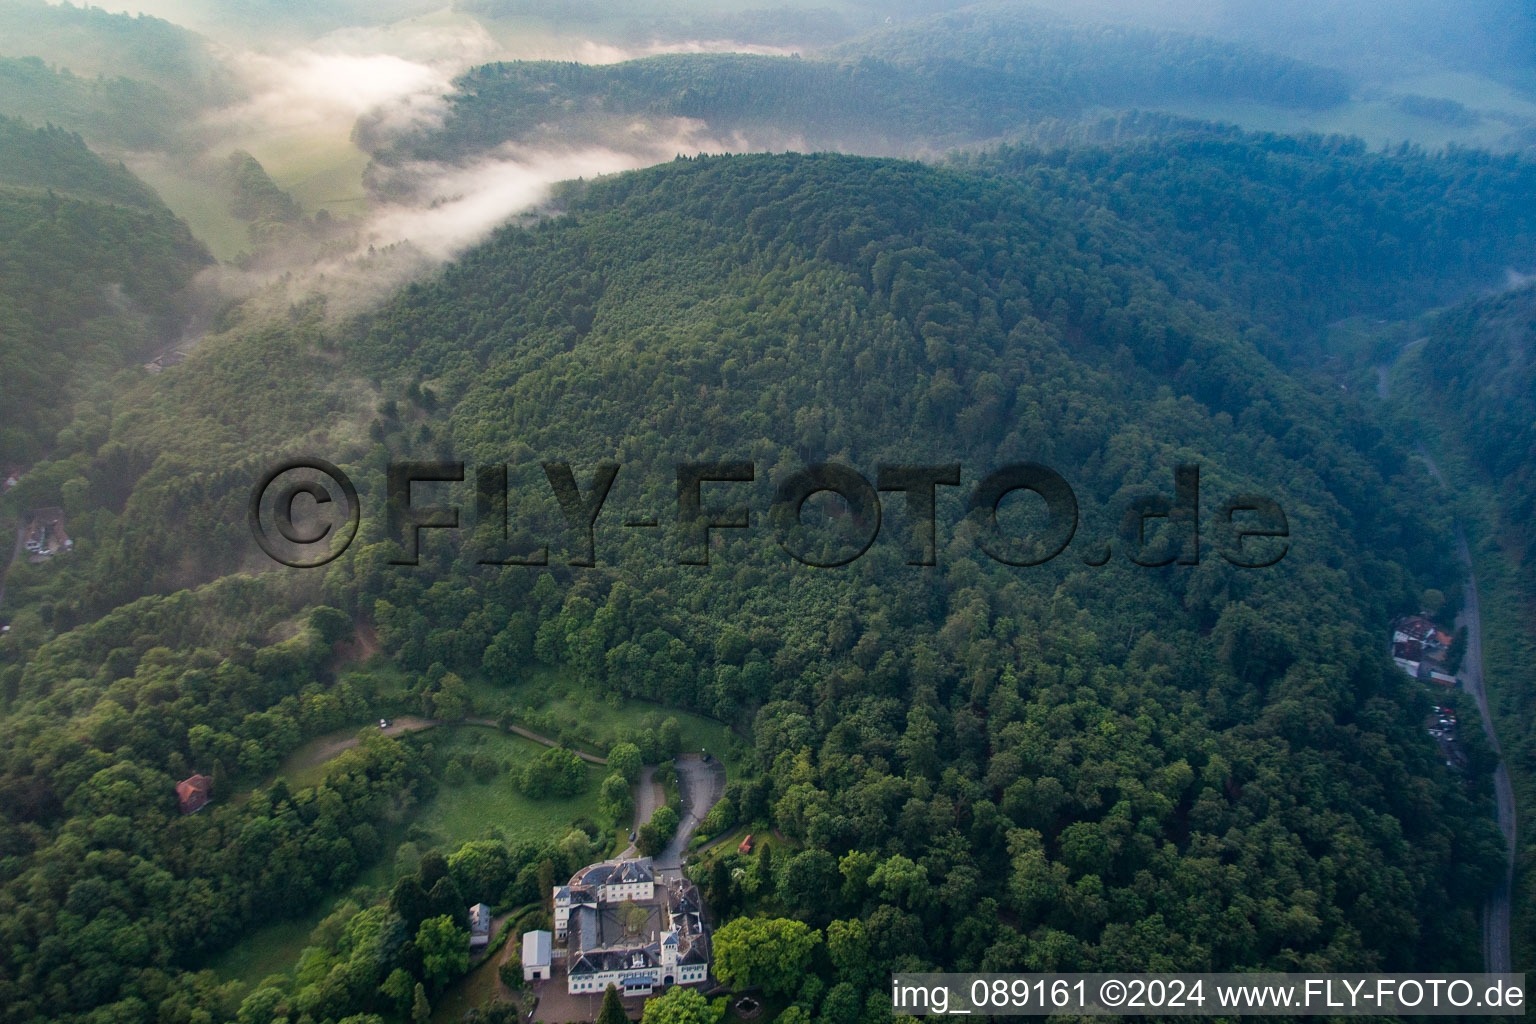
(701, 785)
(648, 796)
(343, 741)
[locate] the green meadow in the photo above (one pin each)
(550, 702)
(457, 814)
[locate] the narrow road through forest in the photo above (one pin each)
(15, 554)
(1497, 957)
(1496, 912)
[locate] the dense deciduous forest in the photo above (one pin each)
(1262, 219)
(975, 766)
(948, 762)
(1479, 362)
(1110, 65)
(117, 111)
(52, 158)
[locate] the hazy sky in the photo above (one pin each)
(311, 69)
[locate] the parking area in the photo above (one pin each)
(557, 1006)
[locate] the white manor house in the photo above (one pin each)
(620, 926)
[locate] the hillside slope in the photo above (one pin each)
(1293, 232)
(93, 43)
(967, 77)
(1480, 363)
(978, 765)
(91, 265)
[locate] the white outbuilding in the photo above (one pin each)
(537, 948)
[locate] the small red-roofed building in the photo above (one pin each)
(193, 793)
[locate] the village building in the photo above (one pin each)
(44, 536)
(620, 926)
(479, 926)
(1420, 648)
(193, 793)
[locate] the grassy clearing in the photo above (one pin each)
(306, 765)
(317, 165)
(475, 809)
(548, 702)
(388, 680)
(478, 810)
(725, 842)
(336, 187)
(456, 815)
(295, 156)
(270, 950)
(203, 205)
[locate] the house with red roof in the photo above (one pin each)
(193, 793)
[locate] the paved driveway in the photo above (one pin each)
(648, 796)
(701, 785)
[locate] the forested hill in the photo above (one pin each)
(126, 83)
(924, 89)
(116, 112)
(91, 266)
(776, 102)
(1293, 231)
(1110, 65)
(91, 42)
(1479, 363)
(52, 158)
(977, 766)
